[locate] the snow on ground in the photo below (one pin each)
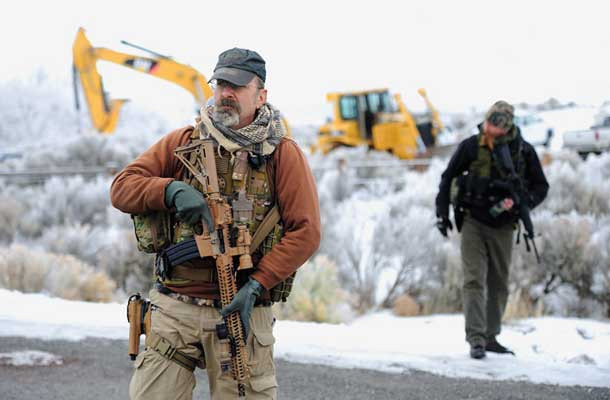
(30, 358)
(561, 351)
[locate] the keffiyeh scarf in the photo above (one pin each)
(260, 137)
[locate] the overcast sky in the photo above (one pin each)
(465, 53)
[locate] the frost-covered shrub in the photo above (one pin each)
(86, 150)
(349, 242)
(10, 212)
(521, 304)
(402, 249)
(385, 244)
(573, 274)
(31, 112)
(112, 250)
(38, 118)
(383, 241)
(118, 256)
(71, 215)
(59, 275)
(579, 186)
(78, 240)
(316, 295)
(62, 201)
(446, 297)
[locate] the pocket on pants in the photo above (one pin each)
(143, 359)
(261, 354)
(262, 383)
(158, 378)
(263, 380)
(139, 361)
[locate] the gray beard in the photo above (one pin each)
(227, 118)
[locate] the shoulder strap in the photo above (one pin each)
(195, 134)
(266, 225)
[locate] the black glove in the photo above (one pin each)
(244, 302)
(190, 205)
(443, 223)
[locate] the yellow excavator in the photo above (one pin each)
(380, 121)
(104, 112)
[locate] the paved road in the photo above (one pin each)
(100, 369)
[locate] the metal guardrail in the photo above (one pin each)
(400, 164)
(42, 174)
(424, 161)
(9, 155)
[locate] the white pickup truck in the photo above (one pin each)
(593, 140)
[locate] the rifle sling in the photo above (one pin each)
(164, 348)
(266, 226)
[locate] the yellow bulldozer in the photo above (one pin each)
(380, 121)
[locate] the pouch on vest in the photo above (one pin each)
(281, 291)
(152, 231)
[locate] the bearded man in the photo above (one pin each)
(258, 169)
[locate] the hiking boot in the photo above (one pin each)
(496, 347)
(477, 351)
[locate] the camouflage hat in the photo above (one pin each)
(501, 114)
(239, 66)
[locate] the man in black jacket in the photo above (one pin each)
(499, 179)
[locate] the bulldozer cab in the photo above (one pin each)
(370, 118)
(365, 110)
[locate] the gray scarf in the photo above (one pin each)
(260, 137)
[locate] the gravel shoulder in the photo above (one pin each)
(101, 369)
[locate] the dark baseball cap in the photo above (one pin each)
(501, 114)
(239, 66)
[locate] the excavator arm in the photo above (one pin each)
(437, 123)
(104, 112)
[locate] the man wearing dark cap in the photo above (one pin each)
(487, 169)
(259, 171)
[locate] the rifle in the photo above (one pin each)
(138, 316)
(198, 157)
(517, 191)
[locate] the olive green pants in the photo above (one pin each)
(486, 255)
(191, 329)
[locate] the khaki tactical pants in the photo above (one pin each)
(191, 329)
(486, 256)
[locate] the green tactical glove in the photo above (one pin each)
(244, 302)
(190, 205)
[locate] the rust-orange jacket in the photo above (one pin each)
(140, 188)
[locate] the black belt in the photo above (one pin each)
(216, 303)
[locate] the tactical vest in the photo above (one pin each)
(484, 163)
(244, 183)
(480, 187)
